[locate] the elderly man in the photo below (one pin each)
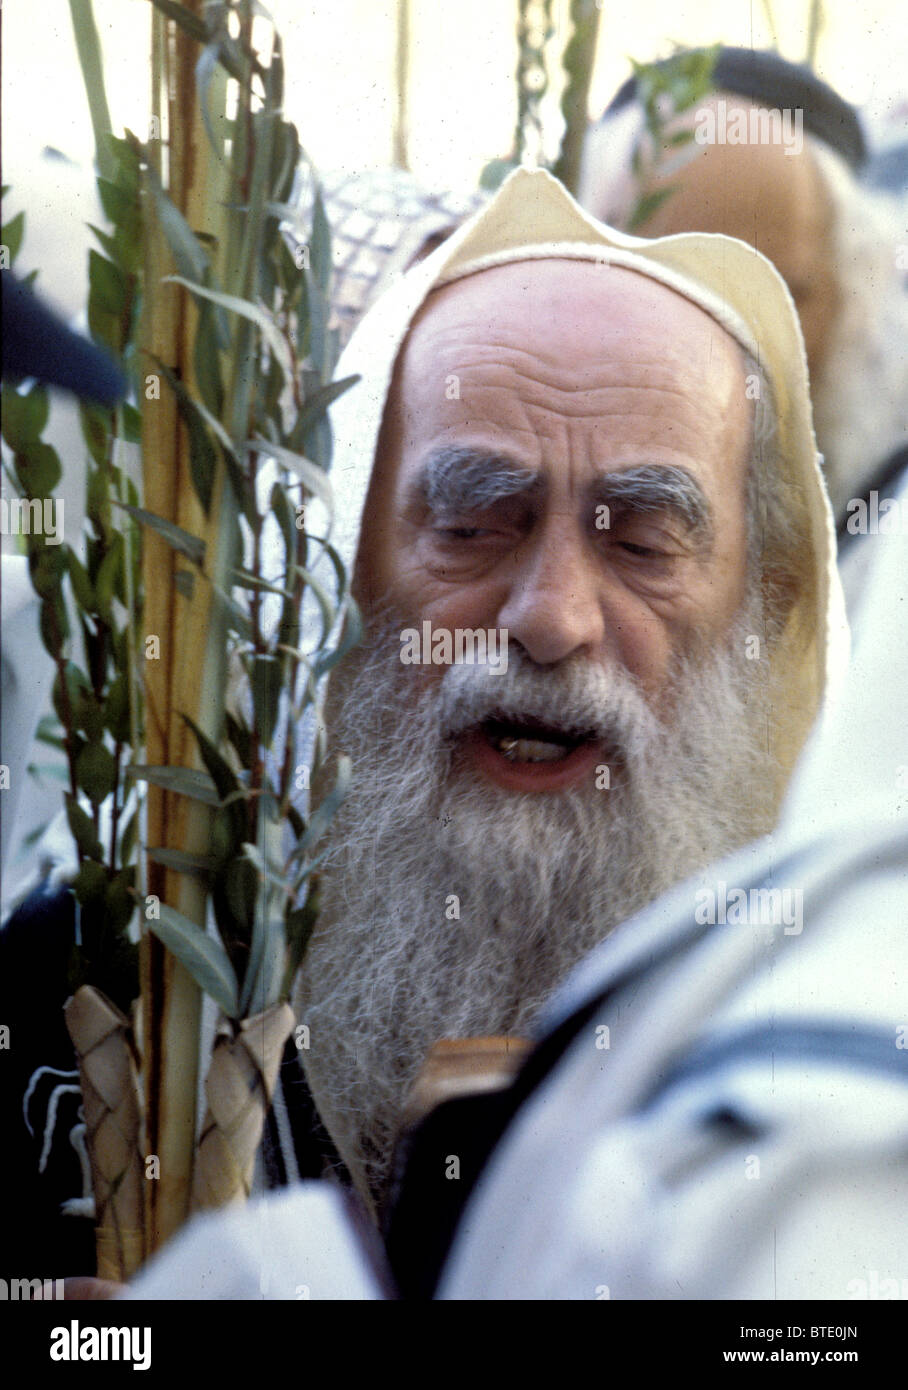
(775, 161)
(538, 368)
(575, 452)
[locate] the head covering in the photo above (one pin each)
(771, 80)
(533, 217)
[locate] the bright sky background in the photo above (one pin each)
(340, 67)
(340, 61)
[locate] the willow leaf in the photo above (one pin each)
(313, 478)
(198, 865)
(204, 958)
(321, 818)
(319, 401)
(183, 541)
(186, 781)
(353, 631)
(253, 312)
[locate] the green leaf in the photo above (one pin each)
(90, 717)
(197, 865)
(240, 738)
(182, 541)
(23, 416)
(494, 174)
(280, 506)
(129, 837)
(322, 598)
(119, 205)
(266, 695)
(11, 234)
(235, 616)
(202, 455)
(132, 423)
(119, 899)
(108, 286)
(96, 430)
(54, 625)
(228, 831)
(245, 579)
(116, 709)
(108, 242)
(96, 772)
(320, 247)
(187, 781)
(109, 578)
(204, 958)
(188, 253)
(76, 682)
(298, 928)
(322, 816)
(90, 883)
(184, 583)
(49, 731)
(253, 312)
(220, 770)
(242, 886)
(318, 402)
(267, 958)
(646, 206)
(46, 568)
(83, 829)
(38, 470)
(314, 479)
(352, 634)
(80, 581)
(206, 360)
(40, 771)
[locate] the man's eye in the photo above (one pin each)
(646, 552)
(459, 533)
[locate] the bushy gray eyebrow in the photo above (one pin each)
(658, 488)
(463, 478)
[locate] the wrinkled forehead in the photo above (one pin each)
(572, 319)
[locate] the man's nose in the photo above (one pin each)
(554, 605)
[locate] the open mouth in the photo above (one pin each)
(531, 741)
(525, 754)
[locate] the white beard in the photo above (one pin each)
(539, 878)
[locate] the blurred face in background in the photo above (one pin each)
(765, 194)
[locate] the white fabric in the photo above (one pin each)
(594, 1189)
(297, 1245)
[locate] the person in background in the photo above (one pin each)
(776, 161)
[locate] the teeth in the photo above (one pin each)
(530, 750)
